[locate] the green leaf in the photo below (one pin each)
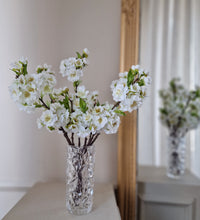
(193, 107)
(135, 72)
(65, 102)
(141, 82)
(52, 98)
(181, 105)
(173, 85)
(195, 114)
(130, 77)
(38, 105)
(76, 83)
(83, 105)
(163, 111)
(198, 93)
(51, 128)
(85, 55)
(39, 70)
(17, 71)
(24, 69)
(120, 112)
(78, 55)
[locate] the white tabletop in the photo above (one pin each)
(152, 174)
(46, 201)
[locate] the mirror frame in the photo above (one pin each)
(127, 135)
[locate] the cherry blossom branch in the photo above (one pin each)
(90, 138)
(79, 141)
(66, 135)
(95, 137)
(85, 143)
(44, 104)
(72, 139)
(70, 142)
(72, 108)
(137, 79)
(116, 105)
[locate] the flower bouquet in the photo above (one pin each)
(180, 113)
(79, 115)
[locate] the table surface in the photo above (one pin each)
(152, 174)
(46, 201)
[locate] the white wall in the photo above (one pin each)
(48, 31)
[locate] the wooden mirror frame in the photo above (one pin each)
(127, 135)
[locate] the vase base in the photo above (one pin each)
(77, 211)
(171, 176)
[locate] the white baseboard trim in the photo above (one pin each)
(15, 186)
(13, 189)
(23, 186)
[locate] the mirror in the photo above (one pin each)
(169, 47)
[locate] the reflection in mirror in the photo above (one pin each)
(169, 47)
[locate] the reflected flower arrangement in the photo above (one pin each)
(180, 111)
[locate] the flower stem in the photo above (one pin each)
(72, 139)
(85, 143)
(90, 138)
(44, 104)
(72, 108)
(137, 79)
(95, 137)
(66, 135)
(116, 105)
(79, 142)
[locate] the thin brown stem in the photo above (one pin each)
(65, 135)
(75, 89)
(44, 104)
(52, 100)
(176, 127)
(90, 138)
(93, 136)
(72, 108)
(72, 138)
(85, 143)
(137, 79)
(97, 135)
(79, 142)
(116, 105)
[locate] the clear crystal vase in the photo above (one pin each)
(80, 179)
(176, 157)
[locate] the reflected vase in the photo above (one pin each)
(176, 157)
(80, 179)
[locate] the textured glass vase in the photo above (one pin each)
(80, 179)
(176, 157)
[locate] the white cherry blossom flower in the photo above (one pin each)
(86, 51)
(99, 121)
(134, 67)
(119, 92)
(81, 92)
(112, 125)
(74, 75)
(48, 118)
